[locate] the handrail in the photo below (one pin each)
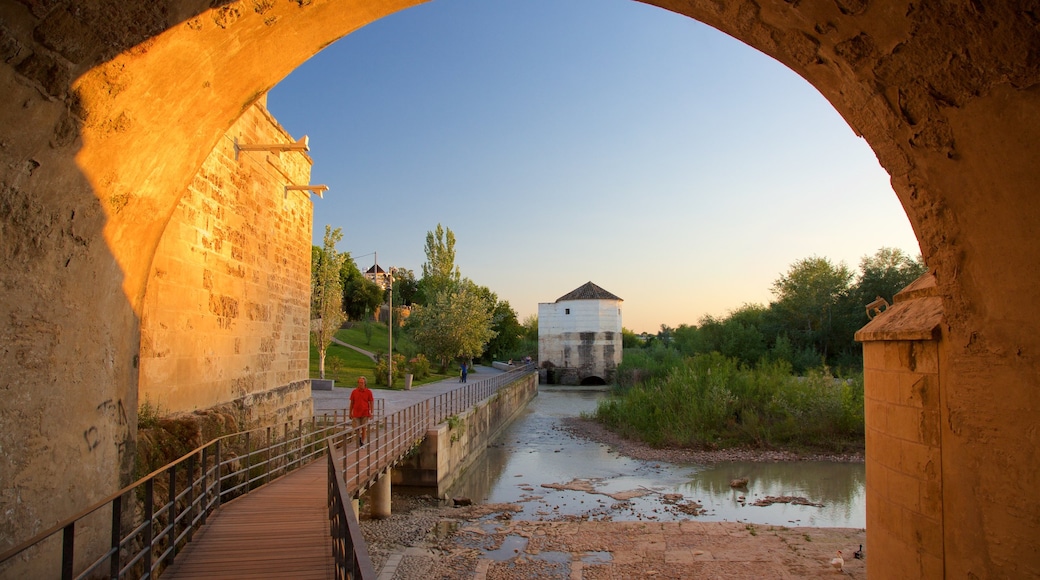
(391, 438)
(349, 551)
(191, 488)
(230, 466)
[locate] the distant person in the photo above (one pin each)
(465, 370)
(361, 402)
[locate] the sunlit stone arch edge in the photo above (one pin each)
(945, 96)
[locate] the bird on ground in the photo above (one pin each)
(838, 563)
(859, 553)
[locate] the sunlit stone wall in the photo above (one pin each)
(226, 308)
(902, 365)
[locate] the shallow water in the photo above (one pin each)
(535, 451)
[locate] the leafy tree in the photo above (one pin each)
(530, 325)
(807, 302)
(884, 274)
(508, 331)
(439, 272)
(630, 339)
(361, 296)
(326, 294)
(455, 323)
(406, 287)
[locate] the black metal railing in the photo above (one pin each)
(349, 551)
(152, 519)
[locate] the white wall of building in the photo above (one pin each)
(584, 334)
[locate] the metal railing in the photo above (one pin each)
(150, 520)
(390, 439)
(349, 551)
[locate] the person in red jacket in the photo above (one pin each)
(361, 408)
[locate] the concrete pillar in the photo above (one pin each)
(355, 504)
(380, 497)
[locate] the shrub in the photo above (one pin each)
(711, 400)
(419, 366)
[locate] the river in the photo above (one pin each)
(553, 474)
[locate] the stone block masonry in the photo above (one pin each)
(227, 305)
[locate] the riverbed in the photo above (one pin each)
(553, 474)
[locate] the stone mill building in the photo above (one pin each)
(579, 337)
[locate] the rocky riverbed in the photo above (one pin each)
(426, 538)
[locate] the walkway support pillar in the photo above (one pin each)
(379, 495)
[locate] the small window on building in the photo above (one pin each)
(567, 311)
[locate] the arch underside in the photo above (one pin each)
(110, 110)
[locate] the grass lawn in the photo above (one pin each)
(345, 365)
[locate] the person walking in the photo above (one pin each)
(465, 370)
(361, 402)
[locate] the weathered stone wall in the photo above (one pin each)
(110, 108)
(578, 339)
(226, 309)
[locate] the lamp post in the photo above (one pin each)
(390, 329)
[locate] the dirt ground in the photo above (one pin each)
(424, 539)
(484, 542)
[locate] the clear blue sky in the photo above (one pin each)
(565, 141)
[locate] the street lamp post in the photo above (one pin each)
(390, 329)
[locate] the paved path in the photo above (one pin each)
(339, 398)
(352, 347)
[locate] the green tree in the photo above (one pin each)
(808, 299)
(361, 296)
(326, 294)
(508, 331)
(884, 274)
(439, 272)
(630, 339)
(406, 287)
(530, 325)
(454, 324)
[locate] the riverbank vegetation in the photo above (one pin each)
(711, 401)
(786, 375)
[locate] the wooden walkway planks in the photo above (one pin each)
(278, 531)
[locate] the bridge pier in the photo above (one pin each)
(379, 495)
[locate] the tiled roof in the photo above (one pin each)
(375, 270)
(588, 291)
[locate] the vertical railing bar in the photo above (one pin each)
(116, 536)
(149, 491)
(220, 476)
(204, 490)
(171, 510)
(68, 550)
(191, 496)
(267, 465)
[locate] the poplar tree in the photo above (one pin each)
(439, 272)
(326, 294)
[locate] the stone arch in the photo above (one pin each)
(109, 109)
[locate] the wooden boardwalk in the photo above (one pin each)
(278, 531)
